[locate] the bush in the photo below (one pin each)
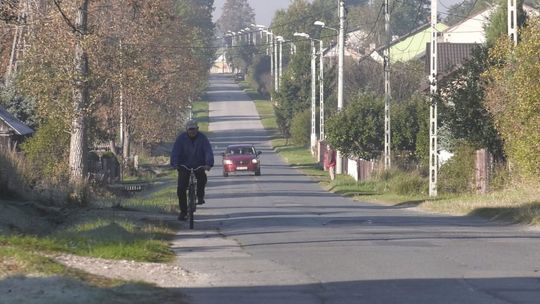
(48, 150)
(409, 183)
(457, 173)
(12, 183)
(402, 182)
(301, 128)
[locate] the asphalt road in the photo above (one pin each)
(280, 238)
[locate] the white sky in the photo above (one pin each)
(265, 9)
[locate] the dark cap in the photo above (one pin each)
(192, 124)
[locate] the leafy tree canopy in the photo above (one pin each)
(357, 130)
(513, 98)
(236, 15)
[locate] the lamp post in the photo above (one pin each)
(261, 28)
(322, 135)
(280, 64)
(275, 64)
(313, 90)
(341, 55)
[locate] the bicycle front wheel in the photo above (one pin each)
(191, 206)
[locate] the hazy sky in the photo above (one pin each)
(265, 9)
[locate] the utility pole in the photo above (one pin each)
(323, 26)
(433, 157)
(387, 93)
(272, 72)
(322, 136)
(280, 74)
(313, 97)
(512, 21)
(313, 143)
(276, 68)
(341, 55)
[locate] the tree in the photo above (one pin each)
(405, 17)
(464, 112)
(512, 98)
(358, 130)
(78, 144)
(154, 84)
(498, 23)
(236, 15)
(294, 95)
(407, 118)
(460, 11)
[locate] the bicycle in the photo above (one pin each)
(191, 197)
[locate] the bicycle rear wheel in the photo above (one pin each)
(191, 206)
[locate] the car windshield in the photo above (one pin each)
(241, 151)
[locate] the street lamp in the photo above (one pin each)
(321, 83)
(313, 90)
(249, 33)
(261, 29)
(323, 25)
(280, 39)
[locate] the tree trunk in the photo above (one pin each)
(78, 145)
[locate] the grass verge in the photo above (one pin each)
(517, 205)
(201, 113)
(101, 238)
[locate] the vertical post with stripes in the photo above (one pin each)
(313, 97)
(387, 93)
(512, 21)
(341, 54)
(433, 158)
(322, 136)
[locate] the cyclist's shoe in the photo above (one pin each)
(182, 217)
(200, 201)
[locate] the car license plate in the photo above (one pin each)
(241, 168)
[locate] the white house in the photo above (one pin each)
(472, 29)
(355, 46)
(221, 65)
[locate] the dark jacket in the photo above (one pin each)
(192, 152)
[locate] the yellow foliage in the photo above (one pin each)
(513, 97)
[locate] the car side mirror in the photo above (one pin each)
(259, 152)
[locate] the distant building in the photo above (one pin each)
(407, 47)
(12, 130)
(473, 29)
(221, 65)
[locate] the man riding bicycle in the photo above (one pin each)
(191, 149)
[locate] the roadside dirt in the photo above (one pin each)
(138, 282)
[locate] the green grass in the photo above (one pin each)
(519, 204)
(201, 113)
(103, 239)
(15, 260)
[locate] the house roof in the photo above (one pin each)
(449, 56)
(407, 47)
(16, 125)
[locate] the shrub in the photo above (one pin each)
(12, 168)
(301, 128)
(402, 182)
(48, 150)
(457, 173)
(409, 183)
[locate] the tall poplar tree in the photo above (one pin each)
(236, 15)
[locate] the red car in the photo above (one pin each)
(241, 158)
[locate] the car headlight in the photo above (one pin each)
(254, 161)
(227, 162)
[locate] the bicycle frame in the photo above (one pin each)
(192, 188)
